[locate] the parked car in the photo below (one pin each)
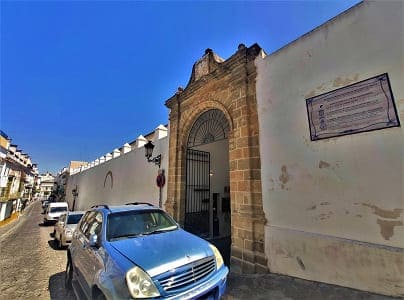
(139, 251)
(53, 212)
(63, 229)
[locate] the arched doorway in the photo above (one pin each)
(220, 145)
(207, 184)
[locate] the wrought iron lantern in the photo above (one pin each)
(149, 152)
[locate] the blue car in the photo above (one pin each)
(138, 251)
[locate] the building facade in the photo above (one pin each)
(46, 185)
(290, 162)
(324, 205)
(214, 118)
(62, 178)
(333, 198)
(17, 172)
(17, 178)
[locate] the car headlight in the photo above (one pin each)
(140, 284)
(218, 256)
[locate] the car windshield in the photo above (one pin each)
(74, 219)
(58, 209)
(138, 223)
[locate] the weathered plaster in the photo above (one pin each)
(344, 81)
(335, 206)
(318, 257)
(387, 227)
(323, 164)
(384, 213)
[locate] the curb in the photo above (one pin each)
(7, 225)
(10, 219)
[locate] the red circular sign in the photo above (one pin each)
(160, 180)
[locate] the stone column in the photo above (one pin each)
(248, 218)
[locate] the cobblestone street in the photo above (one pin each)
(31, 267)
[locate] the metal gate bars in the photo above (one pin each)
(197, 209)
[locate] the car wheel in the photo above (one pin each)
(68, 273)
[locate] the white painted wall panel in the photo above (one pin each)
(349, 188)
(134, 180)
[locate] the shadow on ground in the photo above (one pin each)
(54, 245)
(57, 289)
(279, 287)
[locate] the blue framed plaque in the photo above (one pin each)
(360, 107)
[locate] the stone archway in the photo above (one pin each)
(228, 86)
(207, 181)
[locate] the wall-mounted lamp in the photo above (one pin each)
(148, 153)
(75, 192)
(157, 161)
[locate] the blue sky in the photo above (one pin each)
(80, 78)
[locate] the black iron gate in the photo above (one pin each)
(197, 209)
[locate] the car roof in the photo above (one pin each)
(127, 207)
(58, 204)
(76, 212)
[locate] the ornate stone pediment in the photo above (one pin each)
(205, 65)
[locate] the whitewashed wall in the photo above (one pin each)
(335, 206)
(219, 166)
(133, 178)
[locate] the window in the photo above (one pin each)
(58, 209)
(133, 223)
(74, 219)
(86, 218)
(94, 225)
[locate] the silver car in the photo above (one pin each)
(63, 230)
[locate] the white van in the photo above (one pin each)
(53, 212)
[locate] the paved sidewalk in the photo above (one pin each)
(279, 287)
(10, 219)
(11, 223)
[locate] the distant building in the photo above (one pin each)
(17, 172)
(47, 185)
(62, 178)
(4, 145)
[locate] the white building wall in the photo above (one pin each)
(4, 171)
(133, 179)
(334, 206)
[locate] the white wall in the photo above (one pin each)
(335, 206)
(219, 165)
(4, 171)
(134, 180)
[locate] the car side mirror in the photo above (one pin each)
(93, 241)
